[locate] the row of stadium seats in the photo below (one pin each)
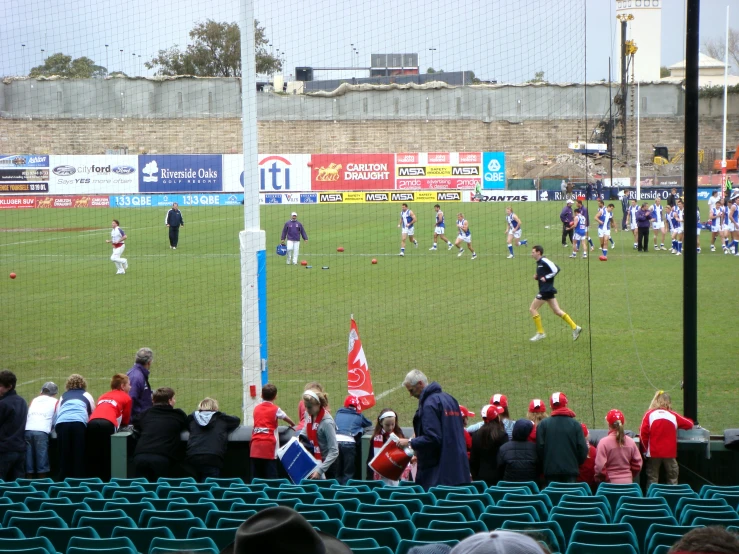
(445, 519)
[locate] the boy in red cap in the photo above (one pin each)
(501, 400)
(537, 413)
(587, 468)
(560, 442)
(350, 426)
(618, 459)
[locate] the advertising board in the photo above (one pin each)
(180, 173)
(94, 174)
(352, 172)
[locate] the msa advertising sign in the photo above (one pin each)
(188, 173)
(352, 172)
(438, 170)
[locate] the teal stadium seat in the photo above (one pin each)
(466, 511)
(552, 526)
(179, 526)
(579, 548)
(222, 537)
(352, 519)
(141, 538)
(104, 527)
(388, 536)
(203, 545)
(404, 527)
(60, 537)
(400, 511)
(436, 535)
(7, 545)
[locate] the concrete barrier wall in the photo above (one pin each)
(220, 97)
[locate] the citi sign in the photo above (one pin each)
(274, 173)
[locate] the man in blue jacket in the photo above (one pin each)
(13, 413)
(138, 376)
(439, 442)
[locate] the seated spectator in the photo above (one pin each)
(560, 442)
(707, 540)
(264, 438)
(587, 468)
(38, 427)
(618, 459)
(320, 432)
(517, 459)
(208, 442)
(658, 434)
(536, 414)
(350, 426)
(486, 443)
(13, 415)
(112, 411)
(499, 542)
(387, 423)
(501, 400)
(158, 428)
(72, 415)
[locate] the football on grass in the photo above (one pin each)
(340, 249)
(603, 259)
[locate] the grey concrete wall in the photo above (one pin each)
(189, 98)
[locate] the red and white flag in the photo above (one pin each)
(358, 374)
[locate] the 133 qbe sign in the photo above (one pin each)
(493, 170)
(352, 172)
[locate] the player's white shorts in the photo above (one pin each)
(727, 227)
(578, 237)
(632, 226)
(658, 225)
(604, 233)
(716, 228)
(410, 231)
(679, 230)
(439, 230)
(698, 231)
(516, 234)
(465, 238)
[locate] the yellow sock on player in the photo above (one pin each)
(537, 322)
(569, 321)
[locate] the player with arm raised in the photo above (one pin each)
(464, 236)
(407, 221)
(546, 270)
(513, 230)
(440, 228)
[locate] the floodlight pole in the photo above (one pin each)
(690, 216)
(252, 239)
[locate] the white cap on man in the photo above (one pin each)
(294, 214)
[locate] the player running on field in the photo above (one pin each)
(580, 225)
(631, 221)
(440, 228)
(658, 222)
(513, 230)
(407, 221)
(605, 224)
(464, 236)
(546, 270)
(117, 239)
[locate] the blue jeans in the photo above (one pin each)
(37, 452)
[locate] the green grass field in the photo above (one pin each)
(465, 323)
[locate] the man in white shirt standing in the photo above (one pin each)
(38, 427)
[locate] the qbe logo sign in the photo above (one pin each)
(493, 166)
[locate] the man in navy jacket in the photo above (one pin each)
(13, 413)
(439, 442)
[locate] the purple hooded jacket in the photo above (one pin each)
(140, 391)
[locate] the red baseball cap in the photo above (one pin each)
(465, 412)
(490, 411)
(499, 400)
(584, 429)
(352, 401)
(536, 406)
(558, 399)
(615, 415)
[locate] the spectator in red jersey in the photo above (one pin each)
(314, 385)
(387, 423)
(537, 413)
(658, 435)
(618, 459)
(587, 468)
(264, 438)
(466, 415)
(113, 410)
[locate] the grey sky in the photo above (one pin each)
(508, 40)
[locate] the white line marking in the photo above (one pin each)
(28, 382)
(388, 392)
